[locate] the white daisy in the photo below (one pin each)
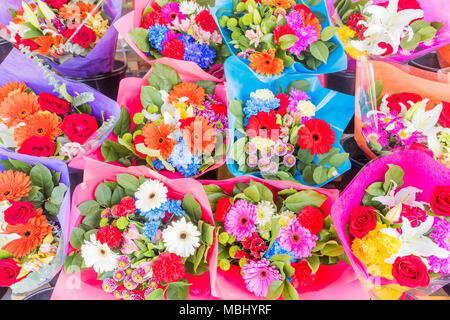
(264, 213)
(181, 238)
(150, 195)
(98, 255)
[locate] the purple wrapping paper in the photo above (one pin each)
(99, 60)
(15, 62)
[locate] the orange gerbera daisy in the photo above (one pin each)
(14, 185)
(11, 88)
(69, 13)
(279, 3)
(311, 20)
(265, 62)
(17, 107)
(41, 124)
(195, 95)
(86, 8)
(200, 136)
(157, 138)
(32, 233)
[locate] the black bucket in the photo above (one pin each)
(5, 49)
(357, 158)
(44, 294)
(76, 177)
(429, 62)
(106, 83)
(3, 291)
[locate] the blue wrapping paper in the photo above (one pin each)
(335, 108)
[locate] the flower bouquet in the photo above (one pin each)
(145, 236)
(172, 121)
(33, 231)
(74, 35)
(401, 107)
(40, 117)
(393, 222)
(275, 238)
(396, 30)
(279, 37)
(180, 30)
(287, 129)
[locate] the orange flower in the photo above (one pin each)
(200, 136)
(311, 20)
(86, 8)
(157, 138)
(279, 3)
(48, 45)
(41, 124)
(14, 185)
(69, 13)
(17, 107)
(265, 62)
(32, 233)
(195, 95)
(11, 88)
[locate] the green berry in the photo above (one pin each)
(231, 239)
(138, 118)
(128, 137)
(232, 251)
(223, 238)
(242, 262)
(152, 109)
(235, 35)
(240, 7)
(104, 222)
(223, 21)
(224, 264)
(232, 22)
(136, 133)
(247, 19)
(122, 223)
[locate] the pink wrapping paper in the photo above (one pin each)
(133, 20)
(129, 97)
(421, 171)
(84, 285)
(331, 279)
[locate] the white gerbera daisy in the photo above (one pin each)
(98, 255)
(264, 213)
(181, 238)
(150, 195)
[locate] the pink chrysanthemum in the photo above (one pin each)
(138, 275)
(123, 262)
(119, 275)
(109, 285)
(129, 283)
(297, 239)
(240, 221)
(258, 275)
(152, 286)
(441, 233)
(136, 296)
(126, 294)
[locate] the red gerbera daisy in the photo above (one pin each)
(280, 31)
(263, 125)
(316, 135)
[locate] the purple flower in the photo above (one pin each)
(129, 283)
(289, 160)
(280, 148)
(250, 148)
(306, 35)
(119, 275)
(138, 275)
(290, 148)
(123, 262)
(264, 164)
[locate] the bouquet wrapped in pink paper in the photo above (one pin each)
(172, 121)
(275, 238)
(395, 30)
(392, 220)
(145, 236)
(183, 31)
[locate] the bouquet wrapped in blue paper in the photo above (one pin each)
(286, 129)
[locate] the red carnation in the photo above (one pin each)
(255, 244)
(305, 10)
(302, 276)
(311, 218)
(83, 36)
(440, 200)
(79, 127)
(406, 98)
(362, 220)
(242, 254)
(219, 108)
(9, 270)
(222, 208)
(54, 104)
(168, 268)
(186, 122)
(316, 135)
(38, 147)
(129, 204)
(206, 21)
(280, 31)
(137, 140)
(284, 103)
(444, 118)
(109, 235)
(26, 42)
(264, 124)
(19, 212)
(174, 49)
(410, 271)
(154, 17)
(57, 4)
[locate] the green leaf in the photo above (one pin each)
(167, 74)
(338, 159)
(275, 289)
(235, 107)
(289, 292)
(320, 51)
(376, 189)
(307, 174)
(192, 207)
(320, 175)
(76, 238)
(325, 158)
(5, 254)
(150, 96)
(73, 263)
(264, 192)
(313, 263)
(333, 250)
(88, 207)
(117, 196)
(394, 174)
(208, 233)
(287, 192)
(313, 3)
(42, 177)
(328, 33)
(157, 294)
(103, 195)
(87, 234)
(209, 86)
(113, 151)
(301, 85)
(375, 90)
(123, 125)
(92, 220)
(301, 199)
(201, 268)
(412, 44)
(427, 33)
(140, 37)
(52, 208)
(177, 290)
(21, 166)
(287, 41)
(198, 256)
(128, 182)
(57, 195)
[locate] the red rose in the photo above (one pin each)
(79, 127)
(404, 98)
(280, 31)
(302, 276)
(26, 42)
(410, 271)
(362, 220)
(57, 4)
(54, 104)
(206, 21)
(9, 270)
(38, 147)
(168, 268)
(109, 235)
(311, 218)
(440, 200)
(137, 140)
(444, 118)
(84, 36)
(19, 212)
(222, 209)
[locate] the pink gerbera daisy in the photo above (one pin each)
(297, 239)
(240, 221)
(171, 11)
(258, 275)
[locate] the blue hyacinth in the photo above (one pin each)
(277, 249)
(156, 36)
(150, 228)
(255, 105)
(183, 160)
(158, 165)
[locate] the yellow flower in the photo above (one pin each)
(185, 110)
(389, 292)
(354, 53)
(345, 34)
(374, 248)
(307, 108)
(98, 24)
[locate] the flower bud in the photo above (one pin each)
(138, 118)
(224, 264)
(394, 214)
(223, 21)
(232, 251)
(223, 238)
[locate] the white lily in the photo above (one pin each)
(433, 141)
(29, 15)
(386, 25)
(423, 120)
(413, 241)
(406, 196)
(46, 11)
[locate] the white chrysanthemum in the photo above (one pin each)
(307, 108)
(150, 195)
(189, 7)
(181, 238)
(264, 213)
(98, 255)
(263, 94)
